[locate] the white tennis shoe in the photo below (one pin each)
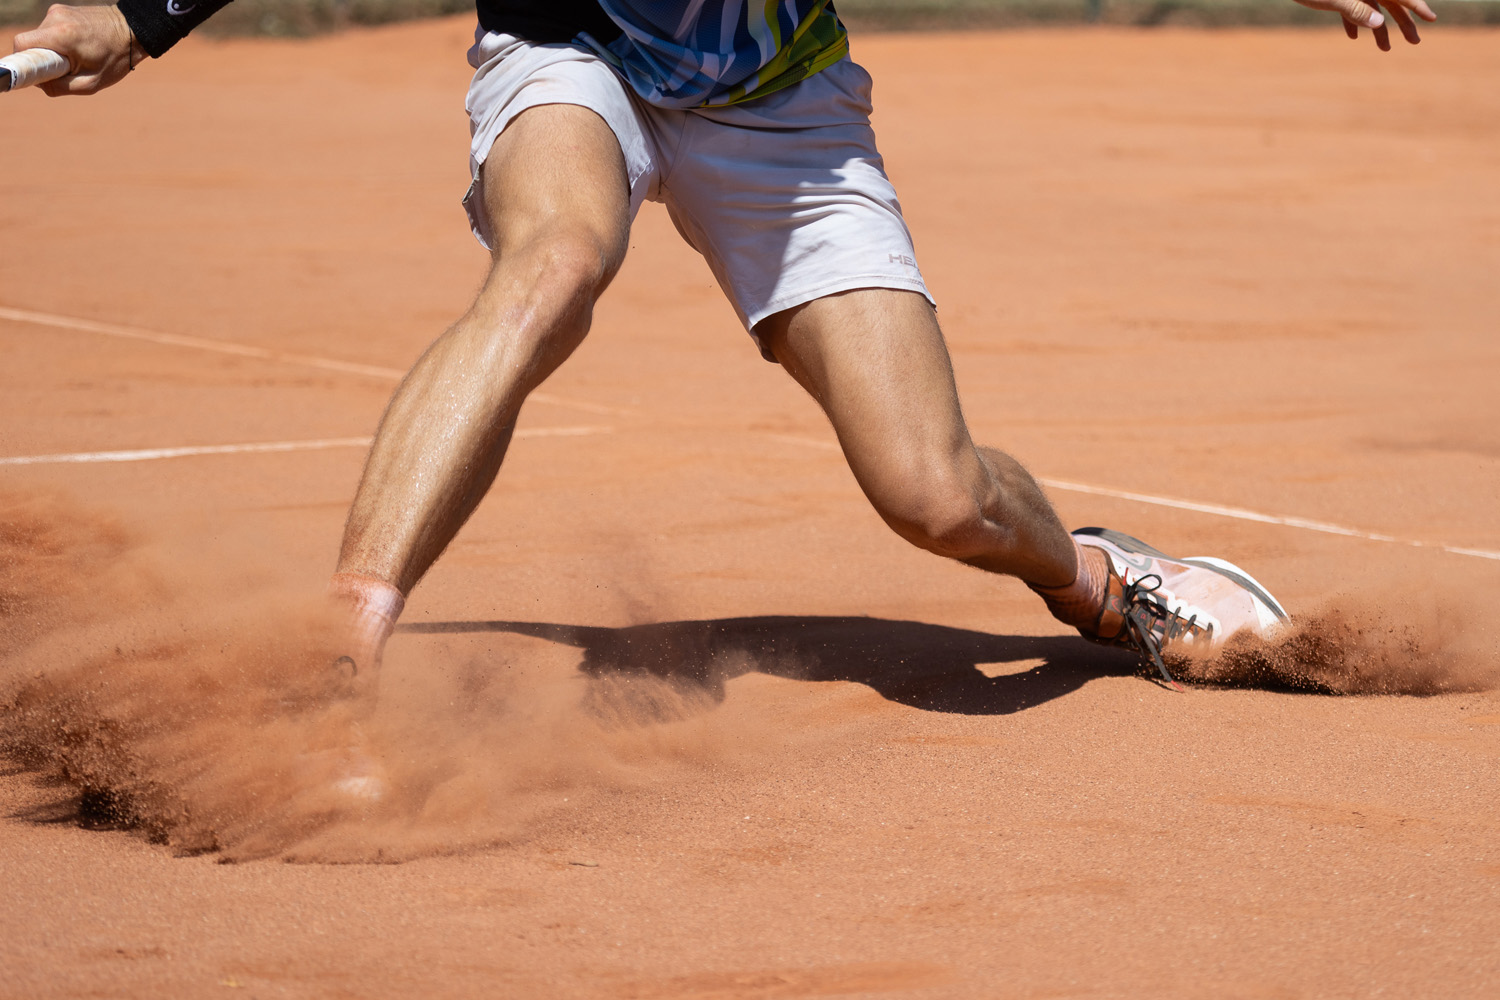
(1157, 604)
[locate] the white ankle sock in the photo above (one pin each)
(372, 607)
(1079, 603)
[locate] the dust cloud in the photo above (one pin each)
(1420, 645)
(198, 706)
(204, 713)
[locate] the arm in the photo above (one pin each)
(105, 43)
(1359, 14)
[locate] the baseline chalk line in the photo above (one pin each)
(1243, 514)
(1218, 510)
(393, 374)
(152, 454)
(264, 447)
(258, 353)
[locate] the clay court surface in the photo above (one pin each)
(676, 716)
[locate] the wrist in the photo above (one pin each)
(134, 53)
(153, 30)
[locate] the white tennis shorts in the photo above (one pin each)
(785, 196)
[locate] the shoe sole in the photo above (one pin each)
(1221, 566)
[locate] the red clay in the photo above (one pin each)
(1264, 260)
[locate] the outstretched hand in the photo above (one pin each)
(95, 40)
(1359, 14)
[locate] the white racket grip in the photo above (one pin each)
(31, 67)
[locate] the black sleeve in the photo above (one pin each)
(160, 24)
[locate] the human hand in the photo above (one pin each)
(1359, 14)
(96, 41)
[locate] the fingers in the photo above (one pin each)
(57, 88)
(1404, 22)
(1420, 7)
(37, 39)
(1358, 14)
(1355, 12)
(78, 83)
(96, 41)
(58, 31)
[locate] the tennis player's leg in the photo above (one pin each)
(811, 247)
(876, 361)
(558, 212)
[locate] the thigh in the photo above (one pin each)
(557, 210)
(875, 360)
(557, 174)
(553, 133)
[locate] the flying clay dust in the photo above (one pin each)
(1354, 647)
(195, 701)
(208, 716)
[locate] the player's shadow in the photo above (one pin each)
(931, 667)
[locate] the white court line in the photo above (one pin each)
(318, 444)
(259, 353)
(1242, 514)
(349, 367)
(1218, 510)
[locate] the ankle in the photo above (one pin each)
(369, 608)
(1080, 602)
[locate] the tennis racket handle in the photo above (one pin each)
(23, 69)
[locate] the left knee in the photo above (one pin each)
(937, 510)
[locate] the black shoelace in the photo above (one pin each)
(1143, 613)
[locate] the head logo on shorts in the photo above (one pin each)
(177, 8)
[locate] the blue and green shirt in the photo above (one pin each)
(701, 53)
(672, 53)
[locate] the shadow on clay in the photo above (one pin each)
(931, 667)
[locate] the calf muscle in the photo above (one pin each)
(876, 362)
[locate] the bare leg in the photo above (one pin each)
(876, 361)
(558, 204)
